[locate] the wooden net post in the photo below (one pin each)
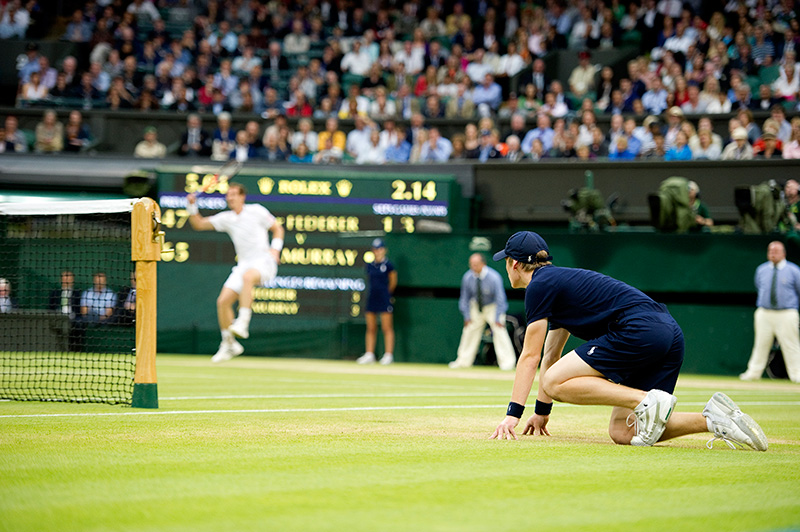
(145, 252)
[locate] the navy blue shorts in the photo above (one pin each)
(643, 351)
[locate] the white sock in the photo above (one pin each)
(387, 354)
(227, 336)
(369, 353)
(245, 314)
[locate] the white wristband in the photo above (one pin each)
(192, 209)
(276, 244)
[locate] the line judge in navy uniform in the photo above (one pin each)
(630, 360)
(381, 282)
(483, 301)
(778, 285)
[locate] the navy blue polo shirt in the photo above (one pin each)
(583, 302)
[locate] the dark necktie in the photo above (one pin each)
(773, 291)
(479, 295)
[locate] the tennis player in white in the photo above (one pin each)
(257, 261)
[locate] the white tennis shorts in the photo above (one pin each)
(266, 267)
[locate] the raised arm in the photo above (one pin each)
(276, 242)
(198, 222)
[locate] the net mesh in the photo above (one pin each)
(67, 307)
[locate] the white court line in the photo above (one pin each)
(334, 396)
(344, 409)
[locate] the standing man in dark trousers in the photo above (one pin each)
(778, 285)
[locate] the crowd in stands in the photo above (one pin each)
(391, 67)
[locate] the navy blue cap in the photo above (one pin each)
(524, 246)
(378, 243)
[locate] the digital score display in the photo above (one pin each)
(330, 217)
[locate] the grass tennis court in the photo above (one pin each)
(302, 445)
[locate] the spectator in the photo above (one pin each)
(739, 149)
(7, 303)
(98, 302)
(770, 149)
(694, 105)
(297, 42)
(413, 60)
(599, 144)
(339, 139)
(301, 155)
(150, 147)
(49, 134)
(400, 150)
(358, 139)
(581, 80)
(372, 152)
(305, 135)
(195, 141)
(655, 98)
(437, 149)
(125, 312)
(791, 150)
(358, 60)
(242, 150)
(66, 300)
(14, 20)
(223, 138)
(748, 123)
(272, 151)
(514, 153)
(76, 133)
(778, 113)
(488, 148)
(144, 10)
(542, 131)
(680, 151)
(620, 149)
(705, 149)
(78, 30)
(787, 85)
(14, 136)
(328, 154)
(765, 99)
(674, 121)
(34, 90)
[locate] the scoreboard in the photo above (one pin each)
(331, 217)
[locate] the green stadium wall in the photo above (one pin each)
(706, 281)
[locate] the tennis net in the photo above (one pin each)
(67, 302)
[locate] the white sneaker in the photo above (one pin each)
(240, 328)
(455, 364)
(749, 377)
(366, 358)
(387, 359)
(731, 425)
(650, 417)
(227, 350)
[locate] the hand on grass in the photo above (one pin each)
(505, 431)
(537, 426)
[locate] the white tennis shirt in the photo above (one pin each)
(248, 231)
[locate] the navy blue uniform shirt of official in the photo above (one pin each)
(378, 297)
(630, 339)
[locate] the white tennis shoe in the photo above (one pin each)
(731, 425)
(240, 328)
(650, 417)
(366, 358)
(227, 350)
(387, 359)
